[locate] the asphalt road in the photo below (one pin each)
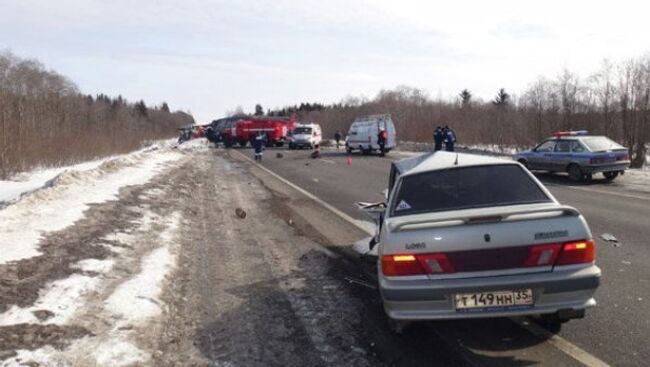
(615, 331)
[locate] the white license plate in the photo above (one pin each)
(486, 301)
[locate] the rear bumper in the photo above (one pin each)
(606, 168)
(571, 289)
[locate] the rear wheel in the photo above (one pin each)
(610, 175)
(575, 173)
(242, 143)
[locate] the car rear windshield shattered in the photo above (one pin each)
(465, 188)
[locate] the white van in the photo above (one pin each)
(363, 133)
(305, 135)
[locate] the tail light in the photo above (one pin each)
(597, 160)
(415, 264)
(577, 252)
(543, 255)
(394, 265)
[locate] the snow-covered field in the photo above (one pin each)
(62, 199)
(112, 297)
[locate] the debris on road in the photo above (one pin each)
(240, 213)
(359, 282)
(610, 238)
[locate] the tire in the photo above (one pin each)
(242, 143)
(228, 143)
(575, 173)
(610, 176)
(523, 163)
(365, 151)
(279, 144)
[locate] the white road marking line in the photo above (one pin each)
(558, 342)
(328, 161)
(562, 344)
(344, 216)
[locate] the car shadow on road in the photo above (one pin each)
(564, 180)
(320, 317)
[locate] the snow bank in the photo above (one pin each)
(62, 203)
(26, 182)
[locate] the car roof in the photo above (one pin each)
(443, 160)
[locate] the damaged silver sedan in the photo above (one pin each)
(465, 236)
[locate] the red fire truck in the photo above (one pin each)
(245, 129)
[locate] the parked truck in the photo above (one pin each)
(245, 129)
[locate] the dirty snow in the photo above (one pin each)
(132, 303)
(94, 265)
(56, 207)
(636, 179)
(26, 182)
(62, 297)
(136, 299)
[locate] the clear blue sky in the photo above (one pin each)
(209, 56)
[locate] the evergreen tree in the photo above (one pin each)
(502, 98)
(465, 97)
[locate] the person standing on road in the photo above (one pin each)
(438, 138)
(258, 145)
(337, 137)
(450, 138)
(382, 137)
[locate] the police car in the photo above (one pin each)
(579, 154)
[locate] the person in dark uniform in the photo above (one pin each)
(258, 145)
(450, 138)
(337, 137)
(438, 138)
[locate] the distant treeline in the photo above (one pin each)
(615, 101)
(45, 120)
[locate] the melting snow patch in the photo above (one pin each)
(54, 208)
(136, 299)
(116, 352)
(62, 297)
(95, 265)
(39, 357)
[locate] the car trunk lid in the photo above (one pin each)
(487, 242)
